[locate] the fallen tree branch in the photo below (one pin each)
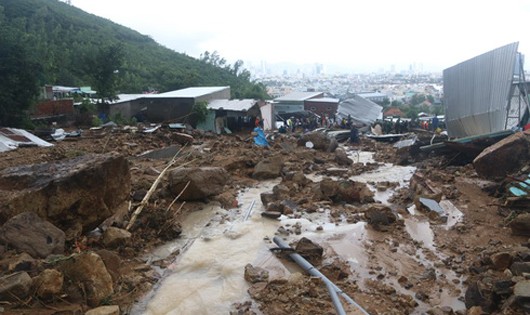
(152, 190)
(177, 197)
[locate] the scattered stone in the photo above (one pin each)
(271, 214)
(29, 233)
(105, 310)
(15, 286)
(343, 191)
(113, 237)
(48, 284)
(502, 260)
(268, 169)
(521, 291)
(204, 182)
(112, 262)
(22, 262)
(475, 310)
(520, 268)
(311, 251)
(87, 277)
(379, 215)
(87, 189)
(256, 274)
(520, 225)
(182, 138)
(342, 158)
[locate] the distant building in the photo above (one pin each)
(393, 112)
(376, 97)
(294, 102)
(173, 106)
(321, 106)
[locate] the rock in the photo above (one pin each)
(518, 268)
(16, 285)
(378, 215)
(501, 261)
(87, 277)
(502, 287)
(22, 262)
(256, 274)
(29, 233)
(104, 310)
(267, 198)
(204, 182)
(113, 237)
(520, 225)
(271, 214)
(312, 252)
(320, 141)
(182, 138)
(474, 296)
(268, 169)
(475, 310)
(342, 158)
(343, 191)
(48, 283)
(521, 290)
(112, 261)
(87, 190)
(507, 155)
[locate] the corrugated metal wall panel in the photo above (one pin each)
(476, 92)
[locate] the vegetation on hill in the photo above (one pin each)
(63, 45)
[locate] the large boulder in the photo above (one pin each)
(342, 158)
(268, 168)
(503, 157)
(29, 233)
(84, 190)
(319, 140)
(203, 182)
(87, 277)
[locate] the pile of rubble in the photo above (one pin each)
(75, 219)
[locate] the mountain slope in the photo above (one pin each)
(62, 38)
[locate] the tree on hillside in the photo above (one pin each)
(103, 68)
(417, 99)
(19, 87)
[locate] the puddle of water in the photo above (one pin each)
(420, 231)
(453, 214)
(386, 173)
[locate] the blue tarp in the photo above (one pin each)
(259, 138)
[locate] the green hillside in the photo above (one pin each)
(62, 40)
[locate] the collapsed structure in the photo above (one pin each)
(486, 94)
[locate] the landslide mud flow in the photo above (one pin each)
(423, 238)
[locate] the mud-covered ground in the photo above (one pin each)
(405, 272)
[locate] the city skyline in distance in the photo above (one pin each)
(361, 36)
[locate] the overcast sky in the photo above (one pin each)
(363, 35)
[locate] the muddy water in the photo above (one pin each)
(208, 274)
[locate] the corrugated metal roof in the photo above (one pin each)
(324, 100)
(233, 105)
(298, 96)
(476, 92)
(371, 94)
(12, 138)
(360, 109)
(122, 98)
(192, 92)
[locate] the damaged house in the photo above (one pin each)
(169, 106)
